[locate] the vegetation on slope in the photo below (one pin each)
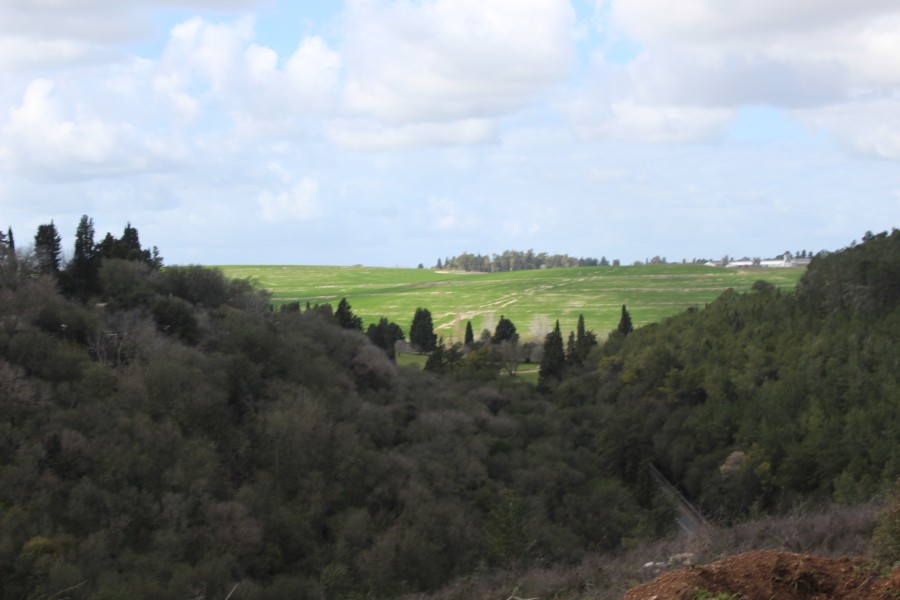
(166, 434)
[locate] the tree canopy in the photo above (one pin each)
(421, 331)
(182, 436)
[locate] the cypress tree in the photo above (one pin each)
(13, 260)
(625, 326)
(572, 350)
(584, 341)
(470, 336)
(554, 359)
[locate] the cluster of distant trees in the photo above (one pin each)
(80, 275)
(513, 260)
(166, 434)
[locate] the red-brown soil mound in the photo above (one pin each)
(767, 575)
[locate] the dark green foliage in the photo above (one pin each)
(127, 247)
(185, 438)
(175, 316)
(48, 248)
(8, 262)
(585, 340)
(126, 284)
(345, 317)
(886, 537)
(862, 278)
(513, 260)
(553, 360)
(421, 332)
(81, 273)
(625, 326)
(195, 284)
(470, 336)
(766, 398)
(505, 331)
(10, 257)
(385, 334)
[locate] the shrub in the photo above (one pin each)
(886, 537)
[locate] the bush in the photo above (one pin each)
(886, 537)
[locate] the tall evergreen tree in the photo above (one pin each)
(385, 335)
(584, 341)
(553, 361)
(421, 332)
(345, 317)
(83, 269)
(130, 245)
(13, 260)
(572, 350)
(470, 336)
(505, 331)
(108, 247)
(7, 259)
(48, 248)
(625, 326)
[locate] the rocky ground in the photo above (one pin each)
(768, 575)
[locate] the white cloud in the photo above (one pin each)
(702, 59)
(221, 66)
(58, 33)
(42, 139)
(443, 214)
(452, 59)
(300, 203)
(637, 123)
(20, 52)
(368, 135)
(868, 127)
(693, 21)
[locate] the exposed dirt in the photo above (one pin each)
(768, 575)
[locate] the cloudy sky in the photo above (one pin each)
(394, 132)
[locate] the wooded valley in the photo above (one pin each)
(165, 434)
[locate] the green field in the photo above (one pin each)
(533, 300)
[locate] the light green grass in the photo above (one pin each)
(407, 359)
(533, 300)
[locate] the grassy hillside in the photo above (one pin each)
(533, 300)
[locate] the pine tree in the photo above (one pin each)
(345, 317)
(48, 248)
(470, 336)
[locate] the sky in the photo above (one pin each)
(396, 132)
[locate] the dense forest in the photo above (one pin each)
(165, 434)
